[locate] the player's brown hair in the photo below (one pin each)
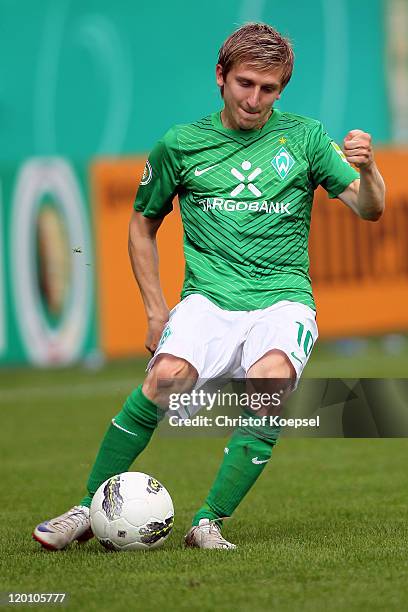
(260, 47)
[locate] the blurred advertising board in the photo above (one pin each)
(47, 302)
(121, 313)
(359, 269)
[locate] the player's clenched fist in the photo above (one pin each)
(357, 148)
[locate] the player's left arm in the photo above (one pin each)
(365, 196)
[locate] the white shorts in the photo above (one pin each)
(226, 343)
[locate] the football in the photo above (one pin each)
(131, 511)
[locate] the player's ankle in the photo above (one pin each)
(86, 501)
(208, 513)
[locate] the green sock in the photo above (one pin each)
(124, 441)
(246, 455)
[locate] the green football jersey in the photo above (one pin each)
(246, 200)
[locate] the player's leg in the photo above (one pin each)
(132, 429)
(182, 352)
(127, 436)
(276, 350)
(247, 452)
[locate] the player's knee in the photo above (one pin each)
(275, 364)
(169, 367)
(169, 375)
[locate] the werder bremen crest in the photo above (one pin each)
(283, 162)
(166, 333)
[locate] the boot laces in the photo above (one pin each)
(213, 529)
(70, 520)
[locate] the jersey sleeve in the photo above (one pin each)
(329, 166)
(160, 179)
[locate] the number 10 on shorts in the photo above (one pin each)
(304, 339)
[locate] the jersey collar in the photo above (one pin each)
(247, 134)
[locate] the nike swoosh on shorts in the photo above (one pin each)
(258, 461)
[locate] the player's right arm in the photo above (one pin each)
(157, 189)
(145, 265)
(366, 196)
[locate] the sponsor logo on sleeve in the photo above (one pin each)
(339, 151)
(147, 174)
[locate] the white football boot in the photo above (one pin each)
(57, 533)
(206, 534)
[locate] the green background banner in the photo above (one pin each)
(95, 77)
(47, 301)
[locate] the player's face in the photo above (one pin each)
(248, 96)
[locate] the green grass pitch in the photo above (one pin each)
(325, 528)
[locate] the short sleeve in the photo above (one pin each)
(160, 179)
(329, 167)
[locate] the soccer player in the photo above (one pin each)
(245, 179)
